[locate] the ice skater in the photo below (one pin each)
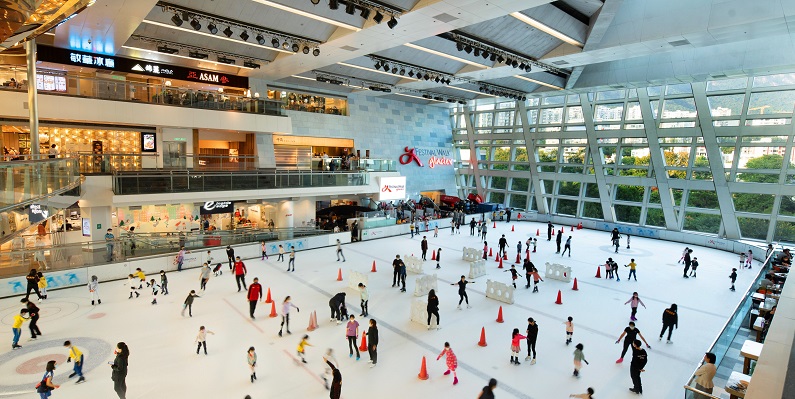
(639, 359)
(733, 278)
(240, 273)
(251, 359)
(629, 335)
(514, 274)
(579, 357)
(351, 333)
(281, 254)
(253, 295)
(335, 304)
(633, 303)
(451, 361)
(433, 308)
(204, 276)
(483, 230)
(609, 268)
(693, 267)
(93, 290)
(587, 395)
(372, 344)
(528, 273)
(688, 262)
(16, 327)
(462, 291)
(33, 284)
(142, 277)
(188, 304)
(263, 250)
(684, 252)
(567, 246)
(335, 391)
(291, 263)
(550, 227)
(131, 281)
(339, 251)
(327, 373)
(424, 247)
(364, 297)
(436, 231)
(155, 289)
(535, 244)
(748, 261)
(632, 266)
(33, 314)
(558, 240)
(670, 319)
(569, 329)
(532, 336)
(485, 250)
(230, 256)
(516, 339)
(536, 277)
(201, 339)
(615, 237)
(614, 270)
(519, 249)
(438, 258)
(301, 349)
(286, 305)
(43, 284)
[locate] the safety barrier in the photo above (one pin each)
(499, 291)
(558, 272)
(477, 268)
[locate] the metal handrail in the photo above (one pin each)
(707, 395)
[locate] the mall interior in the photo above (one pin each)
(158, 135)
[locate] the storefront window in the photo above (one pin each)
(297, 101)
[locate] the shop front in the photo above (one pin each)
(309, 102)
(315, 153)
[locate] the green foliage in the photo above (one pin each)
(592, 210)
(769, 162)
(498, 182)
(753, 228)
(519, 184)
(702, 199)
(629, 193)
(702, 222)
(569, 188)
(567, 207)
(627, 213)
(518, 201)
(497, 197)
(655, 217)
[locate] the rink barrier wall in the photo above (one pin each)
(424, 284)
(477, 268)
(413, 264)
(471, 254)
(354, 278)
(400, 229)
(556, 271)
(151, 265)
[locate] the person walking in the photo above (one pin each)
(372, 343)
(639, 359)
(567, 246)
(201, 339)
(688, 262)
(550, 227)
(704, 376)
(93, 290)
(77, 356)
(32, 280)
(629, 335)
(254, 295)
(204, 276)
(670, 319)
(516, 339)
(364, 297)
(462, 292)
(286, 305)
(579, 357)
(119, 367)
(230, 256)
(488, 390)
(633, 303)
(188, 304)
(335, 390)
(433, 308)
(339, 251)
(335, 303)
(240, 273)
(33, 313)
(251, 359)
(424, 247)
(632, 268)
(351, 333)
(291, 263)
(396, 269)
(733, 278)
(472, 225)
(16, 328)
(559, 240)
(502, 244)
(46, 386)
(532, 336)
(451, 361)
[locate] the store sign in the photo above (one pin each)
(392, 188)
(434, 156)
(37, 213)
(122, 64)
(213, 207)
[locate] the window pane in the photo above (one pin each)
(785, 231)
(627, 213)
(681, 88)
(547, 186)
(787, 206)
(518, 201)
(726, 105)
(610, 95)
(608, 112)
(655, 108)
(754, 203)
(567, 207)
(532, 116)
(485, 119)
(679, 108)
(703, 199)
(569, 188)
(574, 115)
(497, 197)
(774, 102)
(547, 154)
(654, 195)
(551, 115)
(498, 182)
(592, 190)
(727, 84)
(592, 210)
(655, 217)
(518, 184)
(629, 193)
(753, 228)
(702, 222)
(633, 111)
(505, 118)
(553, 100)
(774, 80)
(654, 91)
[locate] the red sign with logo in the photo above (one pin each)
(437, 157)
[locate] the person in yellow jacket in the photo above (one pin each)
(16, 327)
(77, 356)
(140, 274)
(302, 347)
(42, 285)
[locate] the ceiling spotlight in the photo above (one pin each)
(244, 36)
(316, 52)
(477, 52)
(411, 74)
(176, 20)
(296, 47)
(228, 31)
(250, 64)
(402, 71)
(275, 42)
(437, 98)
(450, 100)
(285, 45)
(392, 23)
(515, 63)
(212, 28)
(485, 54)
(350, 8)
(426, 96)
(437, 79)
(459, 46)
(426, 77)
(333, 4)
(196, 54)
(225, 60)
(306, 50)
(260, 39)
(386, 67)
(167, 50)
(394, 70)
(195, 24)
(529, 68)
(377, 65)
(365, 13)
(468, 48)
(378, 17)
(462, 102)
(493, 57)
(315, 2)
(500, 58)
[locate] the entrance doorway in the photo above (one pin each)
(174, 154)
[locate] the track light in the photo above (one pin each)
(167, 50)
(402, 71)
(485, 54)
(386, 67)
(515, 63)
(500, 59)
(260, 39)
(285, 45)
(365, 13)
(176, 20)
(459, 46)
(437, 79)
(212, 28)
(378, 17)
(249, 64)
(275, 42)
(493, 57)
(392, 23)
(296, 47)
(411, 74)
(477, 52)
(225, 60)
(196, 54)
(316, 52)
(195, 24)
(437, 98)
(394, 70)
(426, 77)
(244, 36)
(426, 96)
(333, 4)
(228, 32)
(468, 48)
(377, 65)
(306, 50)
(350, 8)
(315, 2)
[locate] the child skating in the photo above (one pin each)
(201, 339)
(155, 289)
(733, 278)
(632, 266)
(693, 267)
(462, 291)
(132, 282)
(683, 255)
(93, 290)
(43, 284)
(514, 274)
(569, 329)
(142, 277)
(748, 260)
(633, 303)
(536, 277)
(301, 350)
(451, 360)
(262, 248)
(189, 303)
(587, 395)
(286, 305)
(516, 340)
(579, 357)
(251, 359)
(163, 282)
(535, 244)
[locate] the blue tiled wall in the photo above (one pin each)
(386, 127)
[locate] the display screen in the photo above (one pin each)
(86, 224)
(148, 142)
(51, 83)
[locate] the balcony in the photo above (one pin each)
(32, 178)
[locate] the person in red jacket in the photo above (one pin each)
(254, 295)
(240, 273)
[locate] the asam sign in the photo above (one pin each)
(435, 156)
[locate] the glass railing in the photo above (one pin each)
(19, 260)
(723, 342)
(173, 181)
(108, 163)
(370, 165)
(24, 181)
(121, 90)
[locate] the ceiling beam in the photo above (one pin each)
(597, 27)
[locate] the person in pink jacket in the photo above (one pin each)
(633, 303)
(516, 340)
(451, 360)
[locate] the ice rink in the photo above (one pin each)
(163, 362)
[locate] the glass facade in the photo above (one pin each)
(709, 157)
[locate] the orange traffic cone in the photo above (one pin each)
(598, 272)
(273, 310)
(519, 216)
(512, 228)
(574, 288)
(499, 316)
(518, 259)
(312, 325)
(268, 298)
(495, 225)
(579, 226)
(527, 254)
(482, 337)
(339, 275)
(433, 255)
(490, 253)
(363, 346)
(500, 266)
(373, 270)
(538, 232)
(559, 301)
(423, 375)
(572, 228)
(505, 256)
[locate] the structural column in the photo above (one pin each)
(33, 101)
(529, 144)
(605, 194)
